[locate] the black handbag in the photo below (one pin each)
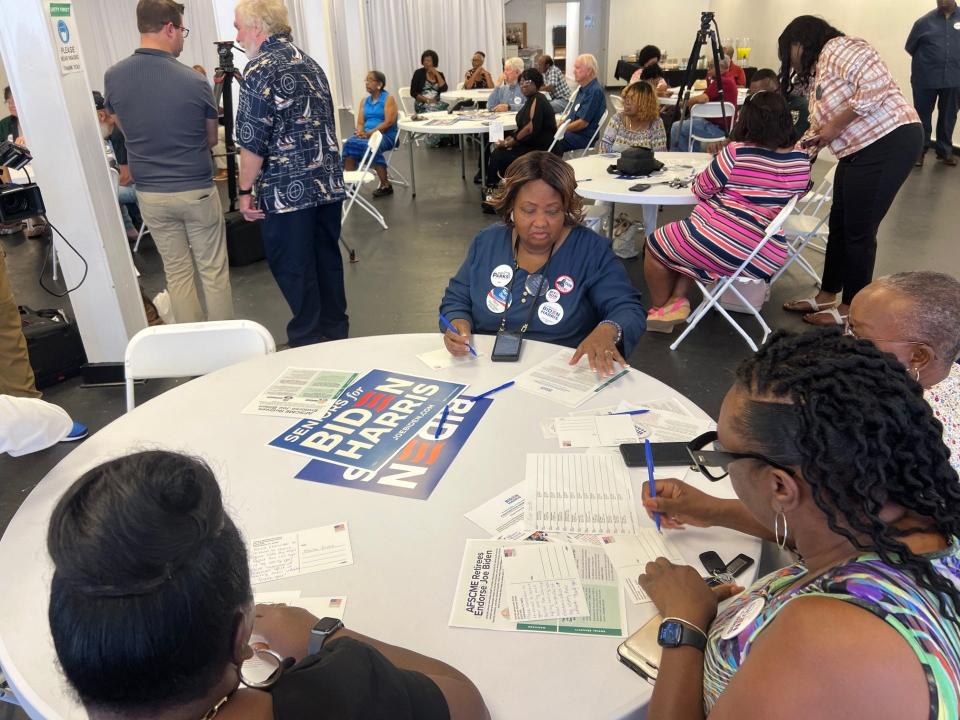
(636, 161)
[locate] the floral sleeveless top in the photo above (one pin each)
(886, 590)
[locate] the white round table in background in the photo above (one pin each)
(595, 183)
(671, 99)
(474, 95)
(461, 127)
(407, 553)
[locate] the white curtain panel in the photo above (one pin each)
(108, 33)
(398, 31)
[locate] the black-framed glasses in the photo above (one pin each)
(714, 464)
(184, 30)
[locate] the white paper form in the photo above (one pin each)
(541, 581)
(305, 393)
(569, 385)
(667, 421)
(630, 554)
(589, 494)
(595, 431)
(501, 515)
(440, 359)
(299, 553)
(547, 424)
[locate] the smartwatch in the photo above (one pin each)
(241, 191)
(675, 632)
(321, 631)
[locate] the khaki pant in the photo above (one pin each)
(16, 375)
(188, 230)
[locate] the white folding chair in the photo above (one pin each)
(558, 135)
(709, 111)
(190, 349)
(355, 179)
(617, 102)
(406, 101)
(570, 102)
(711, 297)
(460, 85)
(596, 133)
(809, 223)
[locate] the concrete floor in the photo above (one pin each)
(397, 285)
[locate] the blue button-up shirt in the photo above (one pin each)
(285, 116)
(934, 44)
(509, 94)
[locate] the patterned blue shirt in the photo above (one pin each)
(285, 116)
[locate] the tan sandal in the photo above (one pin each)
(811, 305)
(825, 318)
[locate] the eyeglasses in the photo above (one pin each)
(185, 31)
(709, 462)
(848, 331)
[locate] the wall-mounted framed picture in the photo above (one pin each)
(516, 34)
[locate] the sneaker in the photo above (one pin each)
(77, 432)
(383, 191)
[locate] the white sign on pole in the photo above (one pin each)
(65, 32)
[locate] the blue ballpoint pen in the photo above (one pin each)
(653, 483)
(443, 419)
(630, 412)
(451, 328)
(491, 391)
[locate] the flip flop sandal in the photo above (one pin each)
(827, 317)
(812, 305)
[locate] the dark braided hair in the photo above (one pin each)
(862, 434)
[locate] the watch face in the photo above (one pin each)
(669, 634)
(326, 625)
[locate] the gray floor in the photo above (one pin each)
(402, 272)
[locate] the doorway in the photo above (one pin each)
(562, 41)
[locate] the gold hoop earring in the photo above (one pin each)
(917, 371)
(781, 541)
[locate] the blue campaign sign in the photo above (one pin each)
(371, 420)
(418, 467)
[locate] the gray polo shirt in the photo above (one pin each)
(162, 106)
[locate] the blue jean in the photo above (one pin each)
(303, 252)
(127, 195)
(680, 133)
(947, 101)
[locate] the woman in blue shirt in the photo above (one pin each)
(541, 273)
(377, 112)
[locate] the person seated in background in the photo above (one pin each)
(151, 613)
(739, 76)
(427, 83)
(542, 274)
(477, 77)
(763, 79)
(588, 107)
(638, 125)
(653, 74)
(739, 193)
(29, 425)
(116, 148)
(10, 130)
(507, 95)
(378, 111)
(536, 123)
(712, 128)
(554, 83)
(833, 453)
(648, 55)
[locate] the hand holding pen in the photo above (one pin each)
(456, 338)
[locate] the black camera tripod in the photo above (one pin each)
(223, 78)
(708, 31)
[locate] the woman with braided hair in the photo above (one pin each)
(832, 451)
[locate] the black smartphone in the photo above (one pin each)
(639, 187)
(740, 563)
(810, 141)
(664, 454)
(712, 562)
(506, 348)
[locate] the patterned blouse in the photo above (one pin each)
(285, 115)
(618, 136)
(851, 74)
(885, 590)
(944, 398)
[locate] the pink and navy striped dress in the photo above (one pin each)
(740, 192)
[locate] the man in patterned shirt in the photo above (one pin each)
(290, 159)
(553, 82)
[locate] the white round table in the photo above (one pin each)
(466, 124)
(474, 95)
(595, 183)
(671, 99)
(407, 553)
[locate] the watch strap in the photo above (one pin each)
(241, 191)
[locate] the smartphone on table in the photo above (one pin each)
(641, 652)
(671, 454)
(506, 348)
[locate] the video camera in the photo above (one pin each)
(18, 202)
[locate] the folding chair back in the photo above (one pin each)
(558, 135)
(406, 101)
(596, 133)
(617, 102)
(355, 179)
(710, 111)
(808, 223)
(570, 103)
(711, 296)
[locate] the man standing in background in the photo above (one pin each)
(934, 45)
(168, 117)
(289, 155)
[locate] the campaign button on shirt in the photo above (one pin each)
(536, 284)
(501, 276)
(553, 295)
(565, 284)
(550, 313)
(498, 300)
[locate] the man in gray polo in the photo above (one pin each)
(167, 114)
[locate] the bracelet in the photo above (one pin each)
(617, 326)
(687, 623)
(248, 191)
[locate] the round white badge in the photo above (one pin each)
(565, 284)
(956, 26)
(517, 100)
(498, 300)
(744, 616)
(553, 295)
(550, 313)
(501, 275)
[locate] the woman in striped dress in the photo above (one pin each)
(740, 192)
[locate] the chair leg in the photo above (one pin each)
(143, 229)
(368, 206)
(130, 403)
